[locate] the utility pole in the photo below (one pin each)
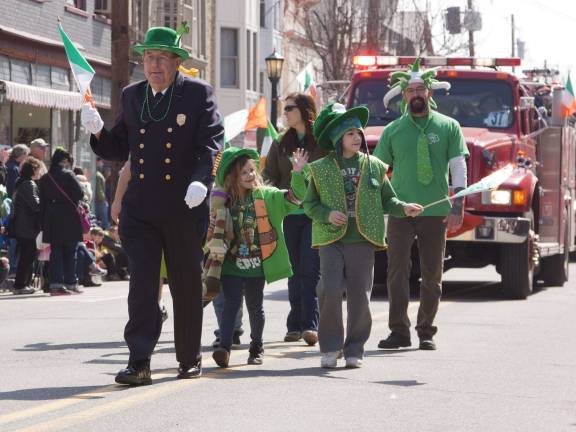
(513, 40)
(470, 35)
(120, 68)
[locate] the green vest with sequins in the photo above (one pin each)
(329, 183)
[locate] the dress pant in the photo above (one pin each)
(181, 238)
(430, 232)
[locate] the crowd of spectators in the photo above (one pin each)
(44, 246)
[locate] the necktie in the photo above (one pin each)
(424, 172)
(157, 100)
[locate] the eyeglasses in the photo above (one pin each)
(290, 108)
(412, 91)
(162, 60)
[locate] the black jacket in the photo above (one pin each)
(25, 221)
(12, 174)
(166, 155)
(59, 219)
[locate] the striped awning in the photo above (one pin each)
(41, 97)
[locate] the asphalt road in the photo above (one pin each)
(501, 366)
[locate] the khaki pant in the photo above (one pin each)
(430, 232)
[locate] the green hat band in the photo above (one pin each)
(339, 130)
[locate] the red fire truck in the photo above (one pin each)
(525, 228)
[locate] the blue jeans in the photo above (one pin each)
(63, 263)
(253, 288)
(218, 304)
(306, 273)
(101, 212)
(84, 259)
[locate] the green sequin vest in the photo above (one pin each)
(329, 183)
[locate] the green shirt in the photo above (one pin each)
(244, 257)
(397, 147)
(350, 169)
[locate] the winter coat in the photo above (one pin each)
(25, 221)
(59, 219)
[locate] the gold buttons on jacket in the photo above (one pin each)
(167, 160)
(142, 131)
(168, 177)
(169, 130)
(141, 161)
(141, 176)
(141, 145)
(168, 145)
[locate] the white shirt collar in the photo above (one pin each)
(163, 91)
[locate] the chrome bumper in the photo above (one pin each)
(497, 230)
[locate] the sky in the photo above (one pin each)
(548, 27)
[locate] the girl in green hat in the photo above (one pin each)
(257, 253)
(347, 197)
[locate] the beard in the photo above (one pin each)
(418, 105)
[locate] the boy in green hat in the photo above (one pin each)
(348, 195)
(257, 253)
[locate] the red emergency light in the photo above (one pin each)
(371, 61)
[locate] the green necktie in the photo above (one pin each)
(424, 171)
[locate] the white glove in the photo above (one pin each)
(195, 194)
(90, 119)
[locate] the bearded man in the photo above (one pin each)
(420, 145)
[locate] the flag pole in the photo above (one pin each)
(437, 202)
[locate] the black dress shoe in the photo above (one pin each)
(137, 373)
(395, 340)
(426, 343)
(186, 372)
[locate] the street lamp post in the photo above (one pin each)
(274, 64)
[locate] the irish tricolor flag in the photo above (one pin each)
(568, 101)
(81, 69)
(306, 80)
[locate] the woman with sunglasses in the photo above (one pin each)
(299, 116)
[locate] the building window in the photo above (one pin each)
(229, 57)
(263, 13)
(60, 79)
(104, 7)
(42, 75)
(101, 90)
(249, 55)
(20, 72)
(254, 62)
(201, 15)
(170, 12)
(78, 4)
(4, 68)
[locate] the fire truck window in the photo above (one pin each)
(473, 103)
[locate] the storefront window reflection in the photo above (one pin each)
(29, 122)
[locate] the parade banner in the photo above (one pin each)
(489, 182)
(81, 69)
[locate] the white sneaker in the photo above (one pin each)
(353, 362)
(329, 360)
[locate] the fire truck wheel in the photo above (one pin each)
(517, 270)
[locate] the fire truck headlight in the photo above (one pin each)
(500, 197)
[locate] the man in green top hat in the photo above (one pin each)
(420, 145)
(170, 130)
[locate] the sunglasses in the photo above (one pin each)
(290, 108)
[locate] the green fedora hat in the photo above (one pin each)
(331, 117)
(165, 39)
(229, 156)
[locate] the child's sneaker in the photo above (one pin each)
(353, 362)
(329, 360)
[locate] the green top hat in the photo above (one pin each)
(229, 156)
(165, 39)
(332, 117)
